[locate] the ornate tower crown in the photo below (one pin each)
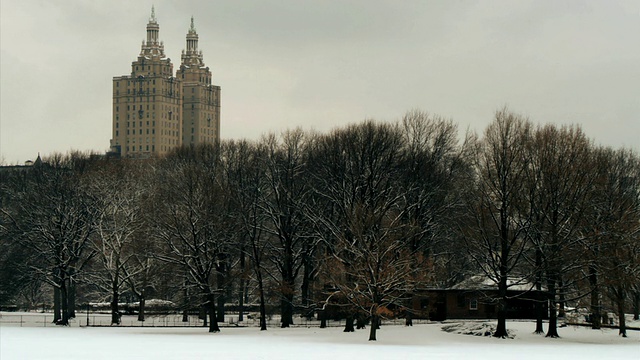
(192, 57)
(153, 47)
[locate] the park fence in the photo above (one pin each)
(172, 320)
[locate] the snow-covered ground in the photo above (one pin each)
(394, 342)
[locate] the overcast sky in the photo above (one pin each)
(321, 64)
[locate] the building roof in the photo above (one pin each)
(483, 282)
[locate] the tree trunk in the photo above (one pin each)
(221, 310)
(636, 305)
(286, 303)
(115, 313)
(348, 325)
(323, 318)
(213, 320)
(64, 302)
(263, 307)
(596, 317)
(373, 328)
(56, 305)
(221, 279)
(622, 324)
(241, 286)
(539, 305)
(307, 277)
(287, 289)
(561, 298)
(72, 298)
(142, 300)
(185, 303)
(552, 332)
(501, 328)
(408, 314)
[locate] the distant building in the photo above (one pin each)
(155, 111)
(477, 298)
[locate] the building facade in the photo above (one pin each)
(155, 111)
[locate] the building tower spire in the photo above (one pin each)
(192, 57)
(152, 28)
(153, 46)
(192, 39)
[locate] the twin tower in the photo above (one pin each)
(155, 111)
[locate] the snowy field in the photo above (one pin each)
(425, 341)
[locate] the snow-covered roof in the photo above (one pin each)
(483, 282)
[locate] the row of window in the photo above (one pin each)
(135, 82)
(153, 107)
(164, 132)
(133, 132)
(133, 148)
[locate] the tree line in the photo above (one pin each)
(363, 216)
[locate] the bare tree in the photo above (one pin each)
(370, 263)
(244, 166)
(55, 219)
(561, 191)
(615, 260)
(284, 203)
(189, 219)
(116, 184)
(500, 221)
(432, 168)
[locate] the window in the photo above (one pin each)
(117, 133)
(473, 304)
